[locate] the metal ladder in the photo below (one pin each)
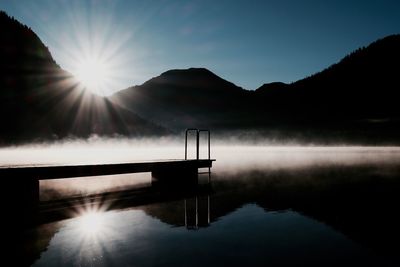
(198, 132)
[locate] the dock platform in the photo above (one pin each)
(69, 171)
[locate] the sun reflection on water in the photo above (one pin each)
(92, 229)
(92, 220)
(92, 223)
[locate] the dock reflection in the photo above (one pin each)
(61, 209)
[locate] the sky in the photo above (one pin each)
(247, 42)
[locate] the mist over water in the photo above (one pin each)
(232, 159)
(230, 155)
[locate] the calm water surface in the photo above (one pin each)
(286, 208)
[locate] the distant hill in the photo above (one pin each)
(179, 99)
(41, 101)
(362, 86)
(353, 99)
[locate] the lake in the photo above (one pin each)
(275, 206)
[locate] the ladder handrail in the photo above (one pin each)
(197, 140)
(208, 131)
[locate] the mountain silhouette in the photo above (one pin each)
(179, 99)
(41, 101)
(354, 99)
(362, 86)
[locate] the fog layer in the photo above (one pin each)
(232, 158)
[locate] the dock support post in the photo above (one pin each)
(179, 176)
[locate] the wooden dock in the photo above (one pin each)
(157, 168)
(20, 184)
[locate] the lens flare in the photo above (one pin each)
(94, 74)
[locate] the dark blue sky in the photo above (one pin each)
(247, 42)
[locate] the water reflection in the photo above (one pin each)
(323, 215)
(247, 236)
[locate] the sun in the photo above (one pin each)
(94, 74)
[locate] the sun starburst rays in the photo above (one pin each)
(94, 73)
(95, 51)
